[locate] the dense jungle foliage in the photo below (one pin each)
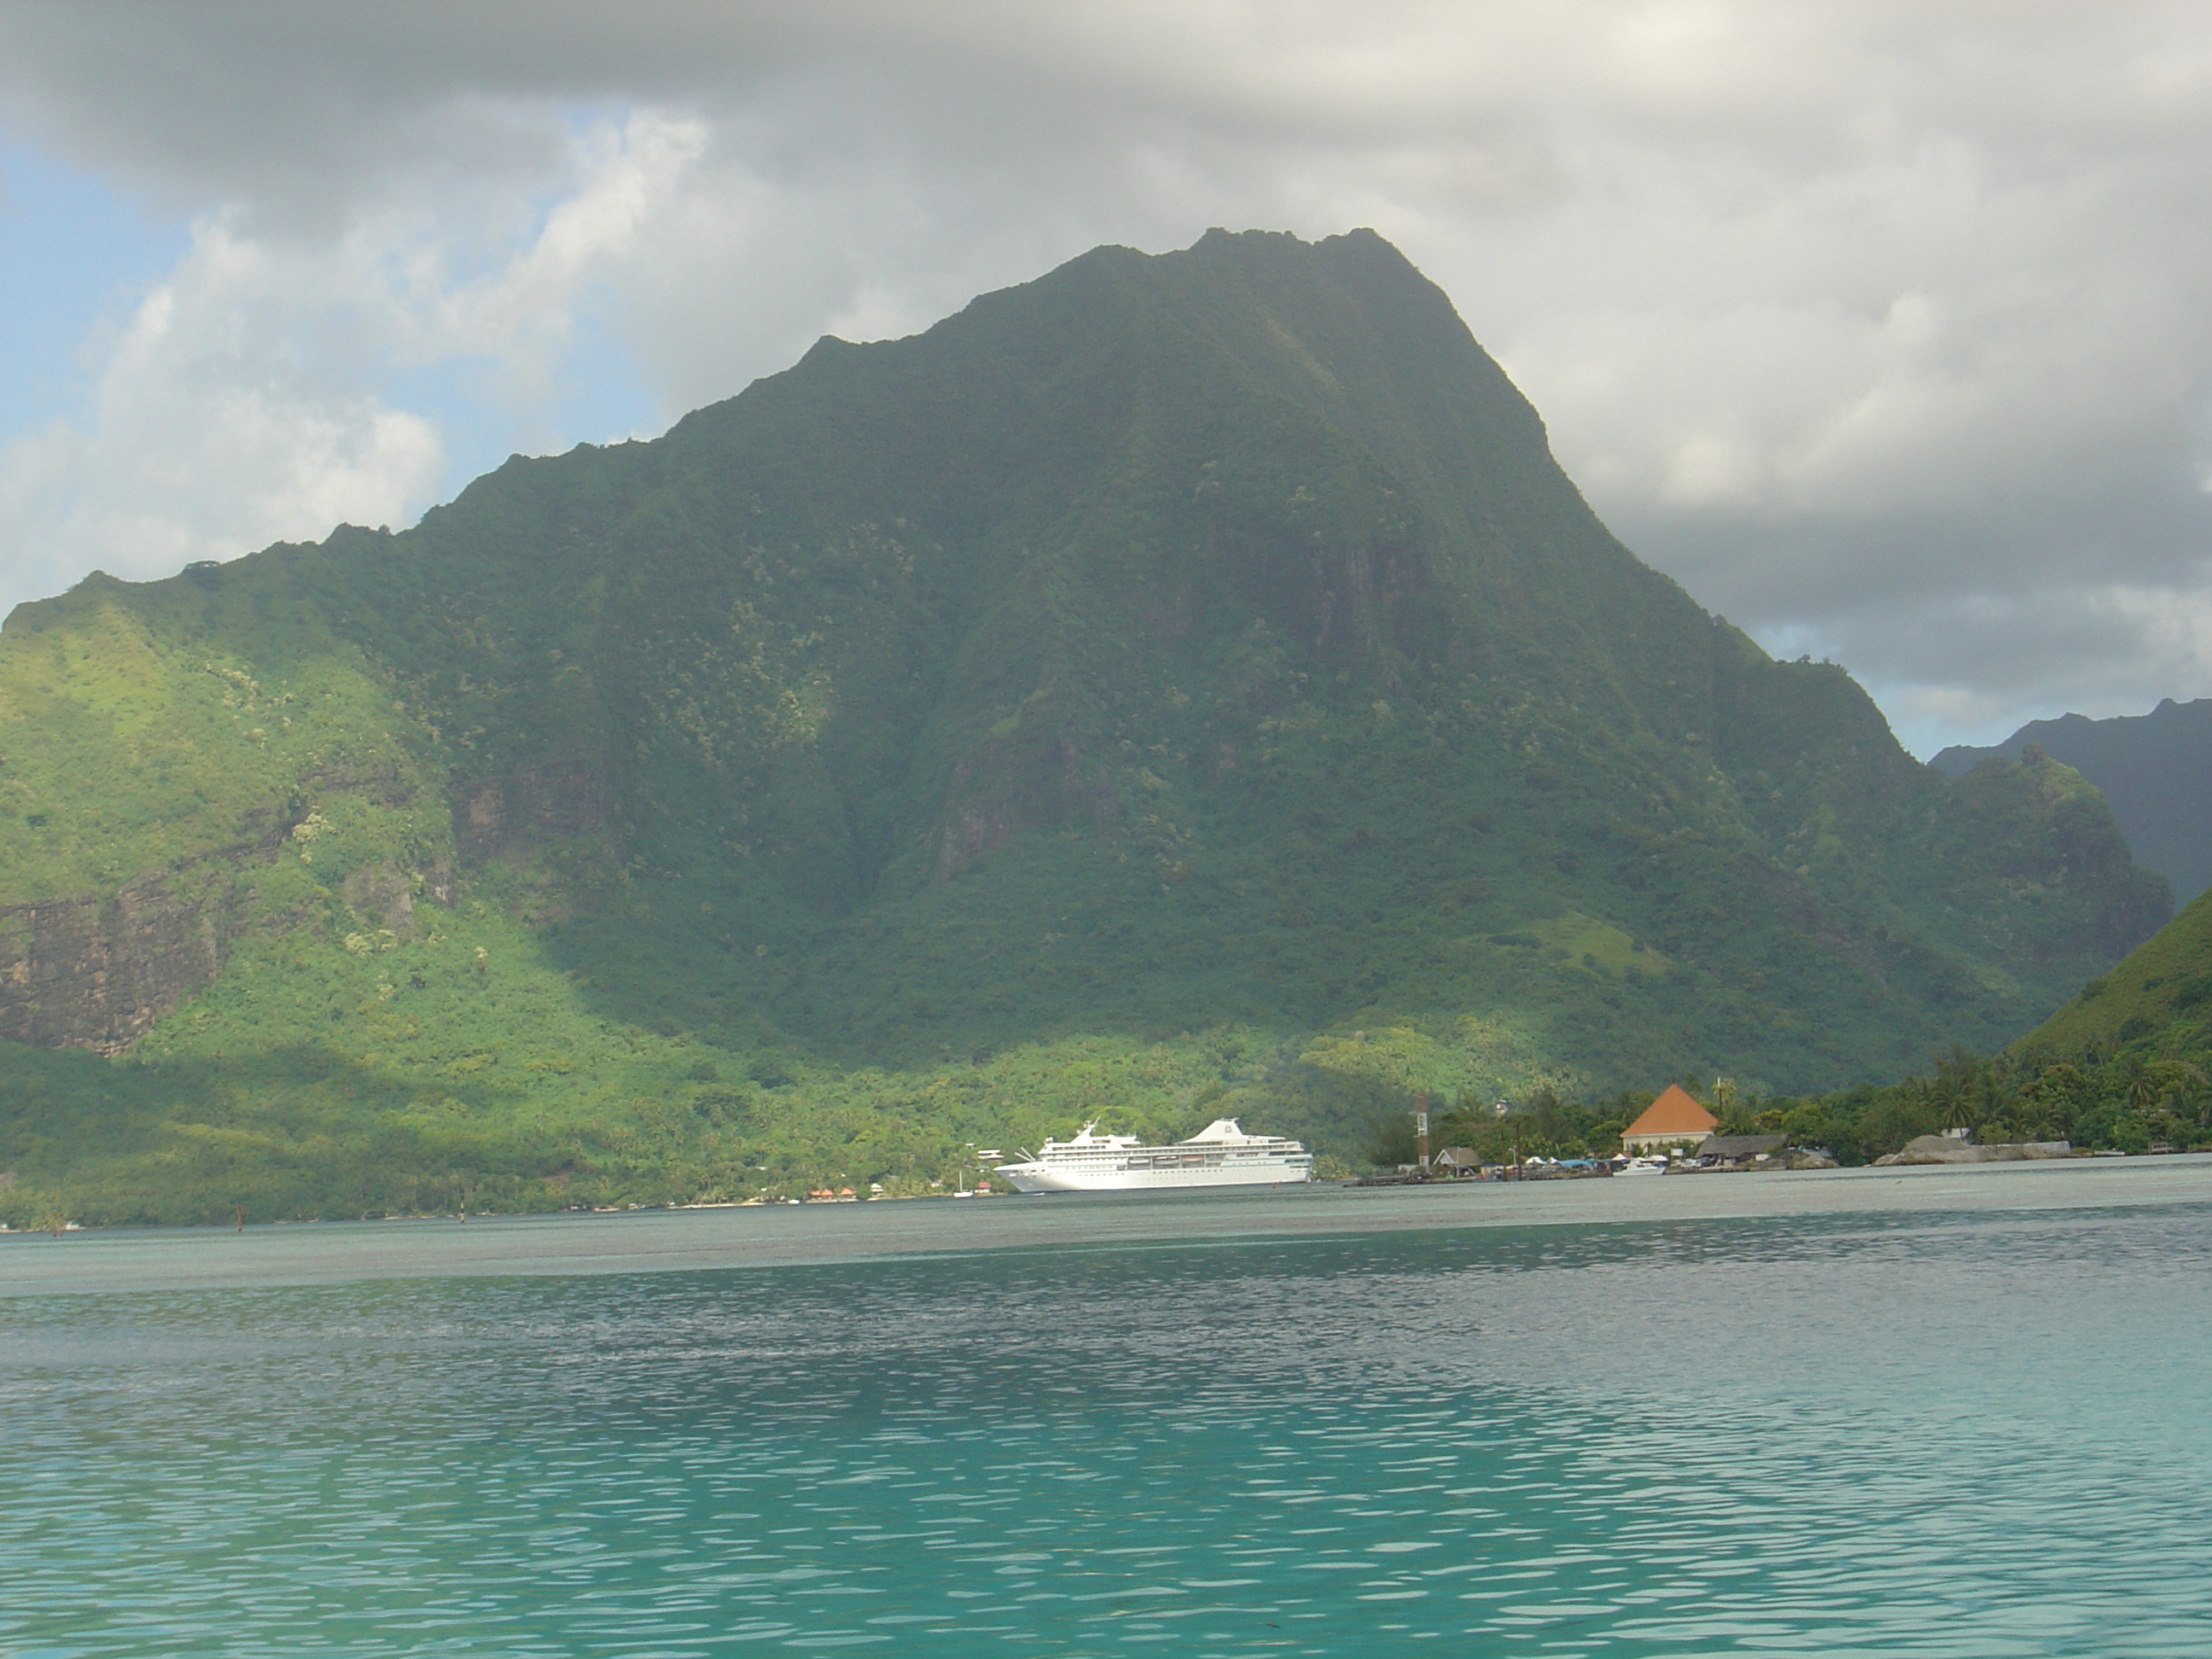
(2126, 1066)
(1181, 686)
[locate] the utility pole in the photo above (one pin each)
(1505, 1111)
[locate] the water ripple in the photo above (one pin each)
(1970, 1438)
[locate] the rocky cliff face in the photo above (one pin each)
(96, 972)
(500, 815)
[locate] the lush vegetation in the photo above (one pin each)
(2125, 1065)
(2155, 770)
(2129, 1102)
(1180, 686)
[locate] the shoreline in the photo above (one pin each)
(127, 1261)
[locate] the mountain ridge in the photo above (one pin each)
(2155, 771)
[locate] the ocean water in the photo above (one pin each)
(1980, 1434)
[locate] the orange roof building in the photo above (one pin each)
(1672, 1120)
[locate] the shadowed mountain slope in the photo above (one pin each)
(2155, 772)
(1181, 685)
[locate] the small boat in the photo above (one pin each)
(1642, 1166)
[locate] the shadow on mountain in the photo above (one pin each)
(289, 1132)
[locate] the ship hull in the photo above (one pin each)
(1047, 1178)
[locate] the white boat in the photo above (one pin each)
(1642, 1166)
(1219, 1155)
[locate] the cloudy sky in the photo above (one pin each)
(1886, 328)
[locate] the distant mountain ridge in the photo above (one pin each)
(1181, 686)
(2155, 771)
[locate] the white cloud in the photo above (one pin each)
(216, 427)
(246, 401)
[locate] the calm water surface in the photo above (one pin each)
(1974, 1436)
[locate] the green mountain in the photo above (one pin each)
(2155, 771)
(1179, 685)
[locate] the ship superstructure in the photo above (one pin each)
(1219, 1155)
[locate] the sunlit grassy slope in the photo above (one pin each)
(1180, 685)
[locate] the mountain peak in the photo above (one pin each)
(1185, 684)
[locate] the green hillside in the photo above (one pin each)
(1180, 685)
(2126, 1064)
(2155, 771)
(2155, 1002)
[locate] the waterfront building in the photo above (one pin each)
(1671, 1122)
(1743, 1152)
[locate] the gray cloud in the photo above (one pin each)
(1880, 325)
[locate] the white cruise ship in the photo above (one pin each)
(1219, 1155)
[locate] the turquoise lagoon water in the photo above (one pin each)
(1950, 1435)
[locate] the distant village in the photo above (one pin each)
(1675, 1135)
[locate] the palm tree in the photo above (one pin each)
(2144, 1088)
